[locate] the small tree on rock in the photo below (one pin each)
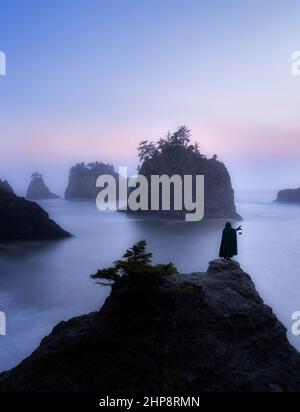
(136, 268)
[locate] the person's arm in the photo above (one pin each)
(239, 228)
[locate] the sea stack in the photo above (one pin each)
(82, 180)
(291, 196)
(23, 220)
(175, 155)
(37, 190)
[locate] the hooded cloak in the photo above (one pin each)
(228, 247)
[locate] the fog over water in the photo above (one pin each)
(44, 283)
(115, 73)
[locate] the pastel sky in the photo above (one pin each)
(89, 79)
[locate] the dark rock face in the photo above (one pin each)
(199, 332)
(21, 219)
(219, 195)
(37, 189)
(289, 196)
(82, 180)
(4, 185)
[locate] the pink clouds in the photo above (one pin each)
(250, 140)
(69, 143)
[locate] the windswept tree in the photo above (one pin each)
(136, 268)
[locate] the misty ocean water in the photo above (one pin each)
(42, 284)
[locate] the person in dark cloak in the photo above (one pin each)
(228, 247)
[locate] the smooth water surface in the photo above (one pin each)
(44, 283)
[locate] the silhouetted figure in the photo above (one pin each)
(228, 247)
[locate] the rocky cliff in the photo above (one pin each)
(37, 190)
(21, 219)
(82, 180)
(289, 196)
(199, 332)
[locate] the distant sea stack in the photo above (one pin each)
(289, 196)
(22, 220)
(174, 155)
(82, 180)
(203, 332)
(37, 189)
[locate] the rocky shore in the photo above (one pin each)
(23, 220)
(198, 332)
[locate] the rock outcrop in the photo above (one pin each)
(199, 332)
(37, 190)
(218, 191)
(4, 185)
(21, 219)
(82, 180)
(174, 155)
(289, 196)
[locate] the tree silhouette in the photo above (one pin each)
(181, 138)
(146, 150)
(91, 169)
(135, 266)
(36, 175)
